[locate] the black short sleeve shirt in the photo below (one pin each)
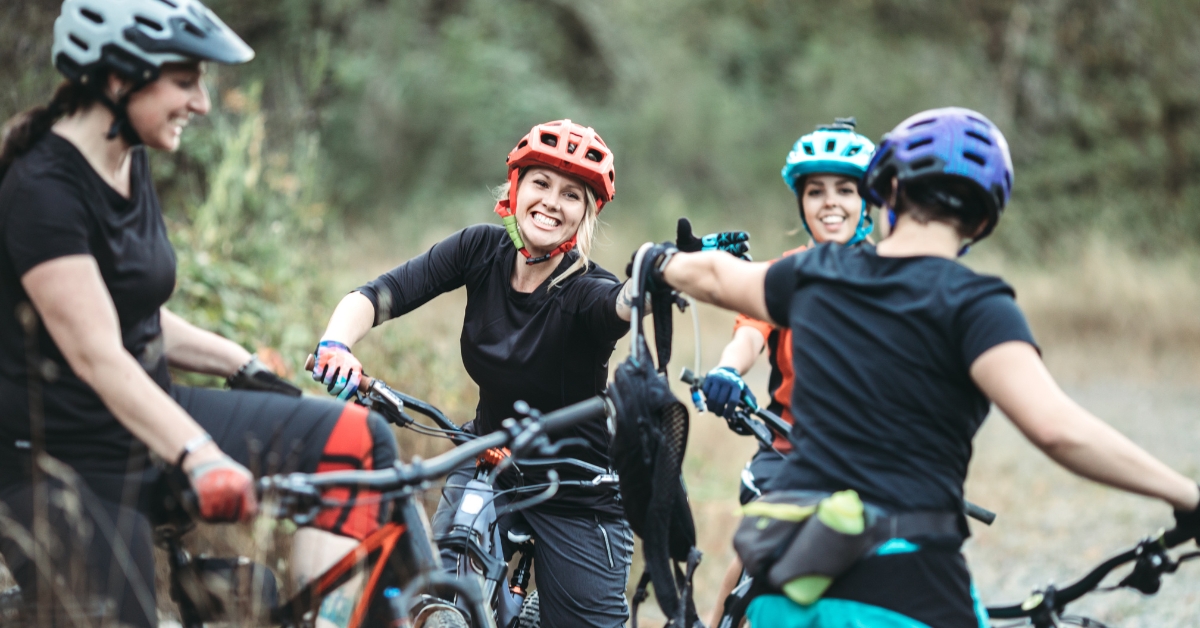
(882, 347)
(52, 205)
(549, 348)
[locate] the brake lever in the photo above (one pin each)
(550, 450)
(1148, 570)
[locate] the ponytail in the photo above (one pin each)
(23, 130)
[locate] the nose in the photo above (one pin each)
(200, 102)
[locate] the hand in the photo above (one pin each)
(224, 490)
(254, 375)
(732, 242)
(1189, 522)
(724, 390)
(337, 368)
(656, 260)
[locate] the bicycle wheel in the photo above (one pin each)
(446, 618)
(531, 612)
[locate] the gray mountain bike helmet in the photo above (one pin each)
(134, 38)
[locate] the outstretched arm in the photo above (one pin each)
(721, 280)
(351, 320)
(1013, 376)
(742, 352)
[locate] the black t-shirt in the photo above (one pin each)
(882, 346)
(53, 204)
(549, 348)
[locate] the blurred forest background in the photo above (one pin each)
(366, 129)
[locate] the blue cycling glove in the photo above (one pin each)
(735, 243)
(724, 389)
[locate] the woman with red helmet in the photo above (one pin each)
(541, 322)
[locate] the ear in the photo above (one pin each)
(116, 87)
(894, 194)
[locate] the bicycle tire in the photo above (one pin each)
(446, 618)
(531, 612)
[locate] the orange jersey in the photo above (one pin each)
(779, 352)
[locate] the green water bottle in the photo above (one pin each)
(841, 512)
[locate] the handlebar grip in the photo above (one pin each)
(979, 513)
(589, 410)
(689, 378)
(364, 383)
(1175, 536)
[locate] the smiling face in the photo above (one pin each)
(831, 207)
(160, 111)
(550, 207)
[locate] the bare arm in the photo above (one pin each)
(193, 349)
(721, 279)
(353, 317)
(742, 352)
(1013, 376)
(69, 295)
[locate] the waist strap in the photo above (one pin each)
(936, 528)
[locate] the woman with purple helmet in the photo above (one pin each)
(929, 345)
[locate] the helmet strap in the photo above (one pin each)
(120, 125)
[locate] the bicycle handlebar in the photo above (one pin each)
(520, 437)
(1055, 599)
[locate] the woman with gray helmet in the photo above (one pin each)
(86, 342)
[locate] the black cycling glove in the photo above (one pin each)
(1189, 522)
(254, 375)
(734, 243)
(658, 255)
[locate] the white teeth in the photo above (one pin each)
(833, 220)
(545, 220)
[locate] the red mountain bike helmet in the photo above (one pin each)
(570, 148)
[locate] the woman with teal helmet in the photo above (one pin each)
(823, 170)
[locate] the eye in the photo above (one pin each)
(541, 183)
(814, 191)
(573, 195)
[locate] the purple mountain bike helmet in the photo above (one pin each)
(950, 141)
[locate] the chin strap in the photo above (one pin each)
(504, 210)
(120, 125)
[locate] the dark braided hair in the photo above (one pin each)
(23, 130)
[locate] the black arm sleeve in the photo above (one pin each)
(597, 299)
(441, 269)
(47, 222)
(989, 321)
(779, 288)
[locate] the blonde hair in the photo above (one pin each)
(584, 236)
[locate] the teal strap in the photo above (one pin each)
(779, 612)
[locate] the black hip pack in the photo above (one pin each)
(800, 541)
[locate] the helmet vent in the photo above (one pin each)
(980, 136)
(830, 145)
(610, 175)
(549, 140)
(79, 42)
(194, 30)
(151, 24)
(593, 155)
(808, 149)
(975, 158)
(853, 150)
(922, 164)
(922, 122)
(169, 3)
(523, 144)
(974, 119)
(571, 146)
(919, 143)
(92, 15)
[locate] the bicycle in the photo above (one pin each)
(404, 582)
(752, 420)
(1044, 608)
(474, 539)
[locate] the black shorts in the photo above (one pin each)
(932, 586)
(101, 521)
(758, 473)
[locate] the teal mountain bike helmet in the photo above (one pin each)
(831, 149)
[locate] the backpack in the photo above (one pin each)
(647, 452)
